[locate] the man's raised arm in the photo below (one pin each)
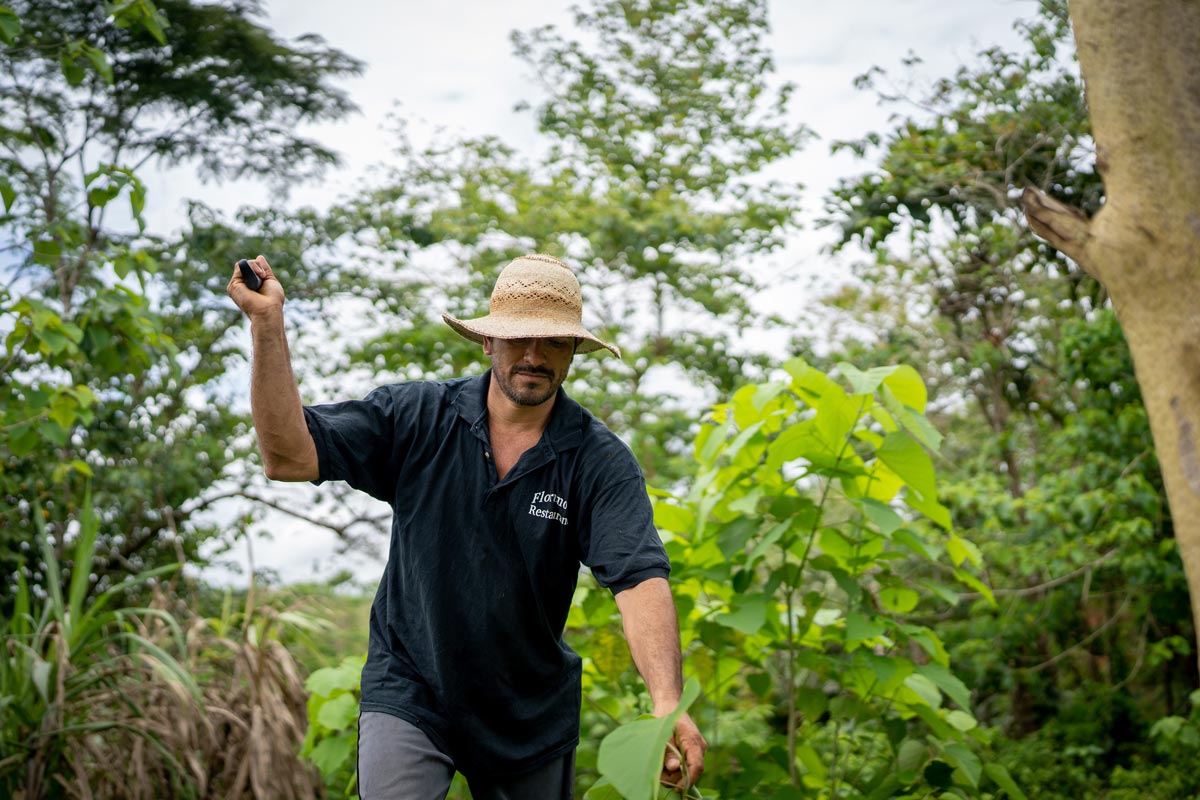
(287, 447)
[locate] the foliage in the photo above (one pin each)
(630, 758)
(659, 125)
(800, 562)
(113, 344)
(332, 739)
(62, 667)
(104, 699)
(1049, 468)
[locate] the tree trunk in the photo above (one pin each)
(1141, 69)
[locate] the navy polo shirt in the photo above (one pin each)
(466, 628)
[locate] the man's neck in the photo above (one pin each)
(504, 413)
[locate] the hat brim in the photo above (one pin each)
(532, 328)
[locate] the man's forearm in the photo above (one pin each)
(286, 445)
(652, 630)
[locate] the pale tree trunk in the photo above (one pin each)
(1140, 61)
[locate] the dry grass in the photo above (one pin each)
(139, 732)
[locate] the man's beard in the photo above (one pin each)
(530, 396)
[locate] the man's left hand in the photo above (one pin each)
(690, 743)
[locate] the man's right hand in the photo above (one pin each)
(266, 301)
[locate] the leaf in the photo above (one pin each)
(748, 617)
(945, 680)
(912, 755)
(70, 70)
(908, 459)
(99, 62)
(337, 714)
(859, 628)
(884, 516)
(816, 774)
(962, 720)
(670, 517)
(602, 790)
(10, 25)
(999, 774)
(85, 551)
(331, 754)
(906, 385)
(961, 550)
(609, 652)
(898, 599)
(324, 682)
(41, 677)
(925, 689)
(962, 757)
(7, 193)
(631, 757)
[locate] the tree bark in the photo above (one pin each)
(1141, 69)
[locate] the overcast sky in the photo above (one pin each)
(449, 66)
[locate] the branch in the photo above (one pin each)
(1064, 227)
(1108, 623)
(1041, 588)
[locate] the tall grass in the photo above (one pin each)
(104, 700)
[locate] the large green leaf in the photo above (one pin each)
(905, 456)
(631, 757)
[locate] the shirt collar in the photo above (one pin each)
(566, 419)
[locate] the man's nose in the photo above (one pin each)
(533, 352)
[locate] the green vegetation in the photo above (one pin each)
(931, 560)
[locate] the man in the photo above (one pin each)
(500, 486)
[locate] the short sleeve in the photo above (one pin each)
(357, 442)
(618, 540)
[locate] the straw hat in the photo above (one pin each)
(536, 296)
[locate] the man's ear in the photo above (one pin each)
(487, 345)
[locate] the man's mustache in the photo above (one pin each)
(533, 371)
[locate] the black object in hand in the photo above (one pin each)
(249, 275)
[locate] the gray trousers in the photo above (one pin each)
(397, 761)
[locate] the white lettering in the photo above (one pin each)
(548, 513)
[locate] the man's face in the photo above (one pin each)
(529, 371)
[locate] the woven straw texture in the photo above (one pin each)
(536, 296)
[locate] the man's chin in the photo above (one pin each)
(527, 397)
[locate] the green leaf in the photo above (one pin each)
(904, 456)
(859, 628)
(945, 680)
(631, 757)
(999, 774)
(99, 63)
(85, 552)
(338, 714)
(925, 689)
(912, 755)
(962, 720)
(898, 599)
(749, 615)
(961, 550)
(324, 682)
(331, 754)
(71, 70)
(961, 756)
(46, 251)
(602, 790)
(609, 652)
(883, 515)
(906, 385)
(7, 193)
(816, 774)
(976, 584)
(10, 25)
(670, 517)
